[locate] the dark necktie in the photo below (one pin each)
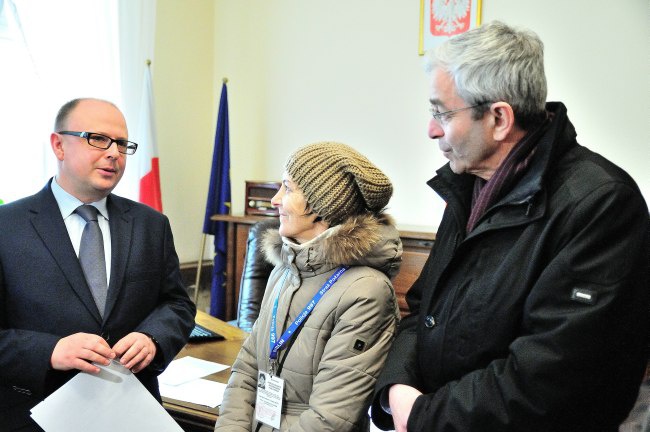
(91, 256)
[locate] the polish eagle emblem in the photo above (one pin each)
(449, 17)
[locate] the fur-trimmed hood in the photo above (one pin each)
(364, 240)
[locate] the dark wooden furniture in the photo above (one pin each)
(258, 198)
(197, 418)
(238, 227)
(417, 245)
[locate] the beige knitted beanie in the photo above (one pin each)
(338, 182)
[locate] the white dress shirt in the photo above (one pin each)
(75, 224)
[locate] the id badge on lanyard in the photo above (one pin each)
(268, 402)
(268, 407)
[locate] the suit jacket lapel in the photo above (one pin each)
(121, 224)
(48, 223)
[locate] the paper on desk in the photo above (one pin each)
(199, 391)
(187, 369)
(112, 400)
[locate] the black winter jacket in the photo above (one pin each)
(536, 320)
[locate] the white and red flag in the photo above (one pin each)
(149, 170)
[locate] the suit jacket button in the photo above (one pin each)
(106, 336)
(429, 321)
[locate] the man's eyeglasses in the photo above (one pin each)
(103, 142)
(446, 115)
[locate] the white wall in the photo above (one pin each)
(336, 70)
(306, 70)
(183, 80)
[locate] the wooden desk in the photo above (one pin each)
(416, 243)
(192, 417)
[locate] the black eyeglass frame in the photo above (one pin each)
(123, 146)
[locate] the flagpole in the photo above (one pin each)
(197, 281)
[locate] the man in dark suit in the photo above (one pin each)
(51, 326)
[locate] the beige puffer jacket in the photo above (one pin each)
(331, 367)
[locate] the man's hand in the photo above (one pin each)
(401, 399)
(79, 350)
(137, 351)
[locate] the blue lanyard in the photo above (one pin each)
(276, 345)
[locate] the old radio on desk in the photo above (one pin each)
(258, 198)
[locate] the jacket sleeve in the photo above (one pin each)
(342, 388)
(575, 357)
(237, 409)
(24, 355)
(400, 368)
(401, 364)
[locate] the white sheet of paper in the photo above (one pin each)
(188, 369)
(113, 400)
(200, 391)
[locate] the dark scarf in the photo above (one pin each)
(486, 193)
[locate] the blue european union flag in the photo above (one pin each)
(219, 203)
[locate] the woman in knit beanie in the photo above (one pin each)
(329, 312)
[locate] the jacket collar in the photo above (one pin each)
(528, 194)
(121, 223)
(361, 240)
(47, 221)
